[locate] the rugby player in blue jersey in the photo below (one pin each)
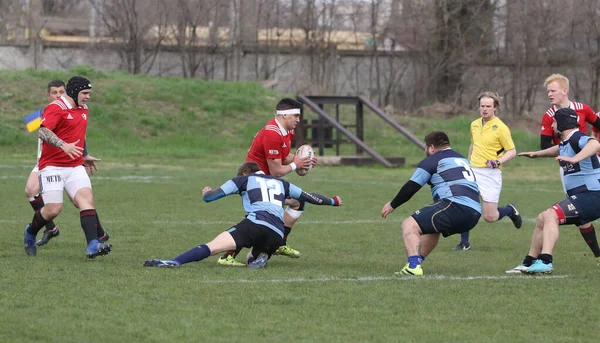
(262, 229)
(576, 153)
(456, 206)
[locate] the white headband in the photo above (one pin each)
(292, 111)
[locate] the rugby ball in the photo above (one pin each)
(304, 151)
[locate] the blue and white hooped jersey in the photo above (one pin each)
(263, 197)
(450, 176)
(585, 175)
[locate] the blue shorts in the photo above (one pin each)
(578, 209)
(446, 217)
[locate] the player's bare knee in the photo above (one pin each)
(51, 211)
(490, 218)
(549, 216)
(539, 220)
(410, 226)
(83, 199)
(30, 193)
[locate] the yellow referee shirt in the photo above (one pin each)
(490, 141)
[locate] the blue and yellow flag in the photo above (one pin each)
(33, 120)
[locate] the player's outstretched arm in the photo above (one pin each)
(318, 199)
(550, 152)
(409, 189)
(209, 194)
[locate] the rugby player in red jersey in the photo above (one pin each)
(557, 87)
(271, 150)
(56, 89)
(61, 167)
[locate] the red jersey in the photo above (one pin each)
(70, 125)
(272, 141)
(585, 115)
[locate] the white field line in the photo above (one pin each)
(393, 278)
(232, 222)
(151, 178)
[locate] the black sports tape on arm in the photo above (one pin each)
(409, 189)
(314, 198)
(213, 195)
(546, 142)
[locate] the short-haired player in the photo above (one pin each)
(261, 229)
(456, 206)
(271, 150)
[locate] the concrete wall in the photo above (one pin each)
(403, 78)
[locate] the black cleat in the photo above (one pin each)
(48, 235)
(515, 217)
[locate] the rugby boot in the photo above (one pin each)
(407, 270)
(229, 261)
(29, 242)
(48, 235)
(286, 250)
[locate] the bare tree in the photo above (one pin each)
(10, 12)
(139, 27)
(461, 30)
(533, 40)
(197, 28)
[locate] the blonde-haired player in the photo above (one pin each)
(491, 147)
(557, 89)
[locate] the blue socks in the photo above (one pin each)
(464, 238)
(415, 260)
(505, 211)
(198, 253)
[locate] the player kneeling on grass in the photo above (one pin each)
(456, 208)
(262, 229)
(576, 153)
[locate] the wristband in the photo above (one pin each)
(335, 201)
(293, 165)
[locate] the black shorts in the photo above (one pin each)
(578, 209)
(247, 234)
(446, 217)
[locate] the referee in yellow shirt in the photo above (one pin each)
(491, 147)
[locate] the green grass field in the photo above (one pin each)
(163, 140)
(341, 289)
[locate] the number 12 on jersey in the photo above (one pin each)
(270, 189)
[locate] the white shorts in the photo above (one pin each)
(53, 180)
(489, 182)
(39, 154)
